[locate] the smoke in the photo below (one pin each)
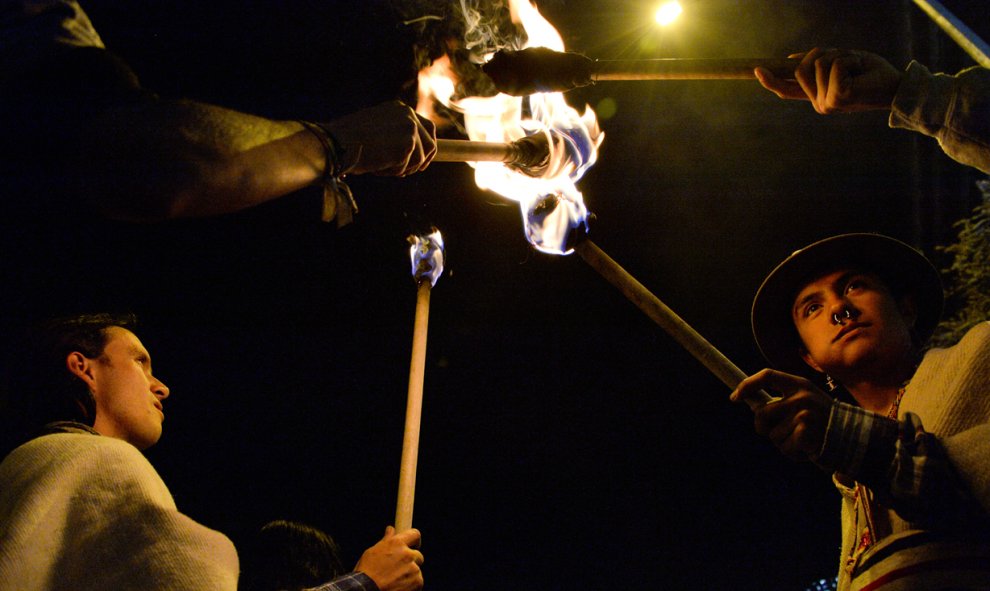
(468, 31)
(487, 29)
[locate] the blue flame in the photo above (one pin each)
(427, 256)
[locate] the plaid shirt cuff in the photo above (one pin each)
(858, 443)
(350, 582)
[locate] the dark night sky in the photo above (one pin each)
(566, 439)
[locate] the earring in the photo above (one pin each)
(830, 383)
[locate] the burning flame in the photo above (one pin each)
(426, 254)
(552, 206)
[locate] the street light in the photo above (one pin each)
(668, 13)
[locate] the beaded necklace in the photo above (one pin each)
(863, 496)
(892, 413)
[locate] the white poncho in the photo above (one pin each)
(81, 511)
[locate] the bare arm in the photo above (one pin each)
(164, 159)
(140, 157)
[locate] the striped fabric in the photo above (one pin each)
(857, 441)
(920, 560)
(917, 516)
(348, 582)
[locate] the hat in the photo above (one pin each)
(903, 269)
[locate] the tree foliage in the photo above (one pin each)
(968, 276)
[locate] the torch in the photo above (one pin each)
(553, 211)
(539, 69)
(426, 253)
(540, 155)
(529, 155)
(667, 319)
(561, 228)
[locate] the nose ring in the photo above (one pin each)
(841, 321)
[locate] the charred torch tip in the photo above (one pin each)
(538, 69)
(554, 225)
(578, 234)
(531, 155)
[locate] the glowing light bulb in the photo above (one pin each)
(668, 13)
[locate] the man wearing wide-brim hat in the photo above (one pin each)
(911, 457)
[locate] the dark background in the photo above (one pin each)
(567, 441)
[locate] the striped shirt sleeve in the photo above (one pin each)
(858, 443)
(355, 581)
(905, 466)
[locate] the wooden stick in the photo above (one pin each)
(414, 410)
(691, 68)
(468, 151)
(967, 39)
(670, 322)
(529, 155)
(538, 69)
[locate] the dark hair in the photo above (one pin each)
(40, 389)
(289, 556)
